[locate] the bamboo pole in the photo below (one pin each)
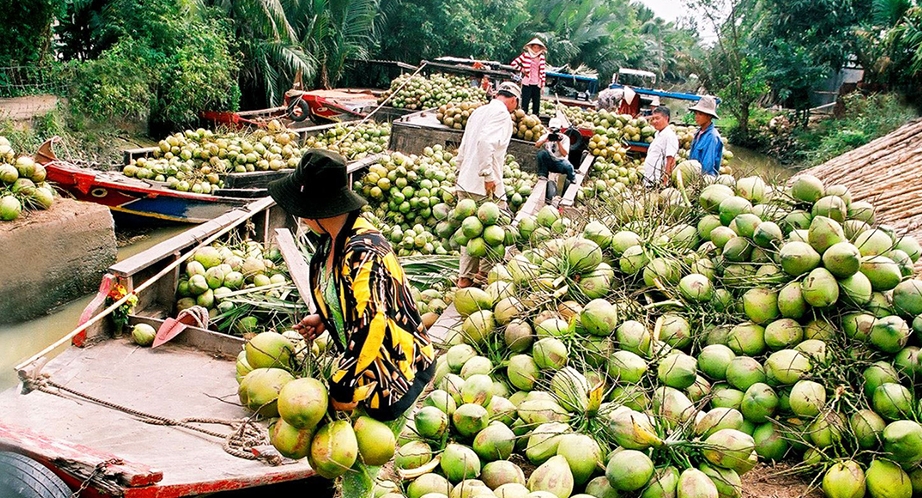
(138, 289)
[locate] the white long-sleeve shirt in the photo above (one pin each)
(483, 149)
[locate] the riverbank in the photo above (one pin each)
(858, 120)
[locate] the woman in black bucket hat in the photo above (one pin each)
(362, 299)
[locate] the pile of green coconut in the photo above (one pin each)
(665, 343)
(22, 184)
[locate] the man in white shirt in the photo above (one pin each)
(555, 147)
(657, 167)
(481, 157)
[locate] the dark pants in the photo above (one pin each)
(531, 93)
(547, 163)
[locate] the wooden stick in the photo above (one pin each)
(140, 288)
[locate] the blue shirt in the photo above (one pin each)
(707, 149)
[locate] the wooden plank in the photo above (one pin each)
(533, 203)
(443, 328)
(253, 179)
(297, 267)
(80, 459)
(129, 155)
(569, 197)
(208, 341)
(194, 235)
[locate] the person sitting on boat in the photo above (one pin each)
(707, 146)
(533, 66)
(657, 166)
(555, 148)
(362, 298)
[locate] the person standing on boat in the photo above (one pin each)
(481, 157)
(533, 65)
(707, 147)
(362, 298)
(657, 166)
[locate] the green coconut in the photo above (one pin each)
(856, 289)
(868, 427)
(759, 402)
(747, 339)
(768, 235)
(629, 470)
(783, 333)
(827, 429)
(882, 271)
(469, 419)
(495, 442)
(696, 287)
(729, 449)
(677, 370)
(842, 259)
(712, 195)
(412, 455)
(502, 472)
(892, 401)
(873, 242)
(744, 371)
(714, 359)
(807, 398)
(675, 331)
(550, 353)
(903, 442)
(634, 336)
(334, 449)
(770, 442)
(761, 305)
(798, 258)
(791, 303)
(544, 441)
(890, 333)
(886, 479)
(626, 366)
(831, 206)
(732, 207)
(820, 288)
(807, 189)
(907, 298)
(459, 462)
(824, 232)
(599, 317)
(786, 367)
(844, 479)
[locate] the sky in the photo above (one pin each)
(672, 10)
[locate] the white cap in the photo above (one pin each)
(554, 123)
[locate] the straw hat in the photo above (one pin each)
(318, 188)
(536, 41)
(707, 105)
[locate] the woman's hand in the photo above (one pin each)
(310, 327)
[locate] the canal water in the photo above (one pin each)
(22, 340)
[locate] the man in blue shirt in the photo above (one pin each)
(707, 147)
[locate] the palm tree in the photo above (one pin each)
(335, 31)
(269, 46)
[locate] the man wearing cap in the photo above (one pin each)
(707, 146)
(555, 148)
(481, 157)
(657, 166)
(531, 62)
(363, 301)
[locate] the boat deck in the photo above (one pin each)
(172, 381)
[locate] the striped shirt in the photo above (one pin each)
(526, 62)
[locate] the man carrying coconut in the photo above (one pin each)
(481, 157)
(707, 147)
(657, 167)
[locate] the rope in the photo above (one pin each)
(241, 441)
(383, 102)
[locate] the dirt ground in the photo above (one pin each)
(770, 482)
(25, 108)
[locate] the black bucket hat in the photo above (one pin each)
(318, 187)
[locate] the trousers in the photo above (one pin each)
(547, 163)
(531, 93)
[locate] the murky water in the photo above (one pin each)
(747, 162)
(22, 340)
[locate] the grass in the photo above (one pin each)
(82, 141)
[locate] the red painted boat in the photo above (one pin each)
(107, 418)
(134, 199)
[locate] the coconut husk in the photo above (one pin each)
(887, 173)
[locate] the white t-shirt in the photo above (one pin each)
(665, 144)
(553, 148)
(483, 147)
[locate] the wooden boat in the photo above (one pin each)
(132, 199)
(137, 422)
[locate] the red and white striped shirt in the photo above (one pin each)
(528, 64)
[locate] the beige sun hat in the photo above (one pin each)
(510, 88)
(707, 104)
(536, 41)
